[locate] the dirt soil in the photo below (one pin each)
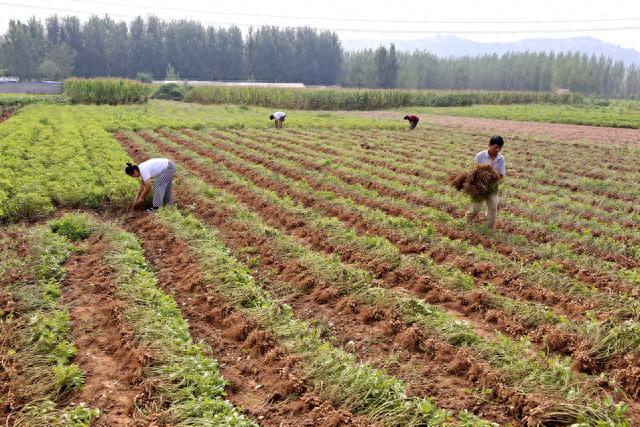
(264, 380)
(112, 362)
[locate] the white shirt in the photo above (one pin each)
(483, 158)
(278, 115)
(152, 168)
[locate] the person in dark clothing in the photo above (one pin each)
(413, 121)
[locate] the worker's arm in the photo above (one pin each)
(140, 188)
(145, 188)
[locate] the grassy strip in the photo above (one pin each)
(184, 375)
(336, 374)
(516, 361)
(42, 351)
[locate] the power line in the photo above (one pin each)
(389, 21)
(368, 30)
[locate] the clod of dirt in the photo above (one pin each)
(324, 295)
(260, 342)
(412, 339)
(560, 341)
(348, 303)
(369, 315)
(628, 375)
(238, 327)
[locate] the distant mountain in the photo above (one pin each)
(455, 46)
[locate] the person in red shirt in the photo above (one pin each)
(413, 121)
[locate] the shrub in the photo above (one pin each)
(171, 91)
(106, 91)
(144, 77)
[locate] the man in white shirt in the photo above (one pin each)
(278, 117)
(161, 172)
(493, 157)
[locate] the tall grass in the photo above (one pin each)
(366, 99)
(106, 91)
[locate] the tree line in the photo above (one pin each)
(63, 46)
(575, 71)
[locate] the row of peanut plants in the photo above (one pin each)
(508, 357)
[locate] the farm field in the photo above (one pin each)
(320, 274)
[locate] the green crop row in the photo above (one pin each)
(516, 361)
(366, 99)
(54, 156)
(183, 374)
(38, 331)
(106, 91)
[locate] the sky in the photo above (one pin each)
(613, 21)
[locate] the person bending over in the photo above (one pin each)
(413, 121)
(158, 173)
(278, 118)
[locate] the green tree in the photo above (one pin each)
(24, 48)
